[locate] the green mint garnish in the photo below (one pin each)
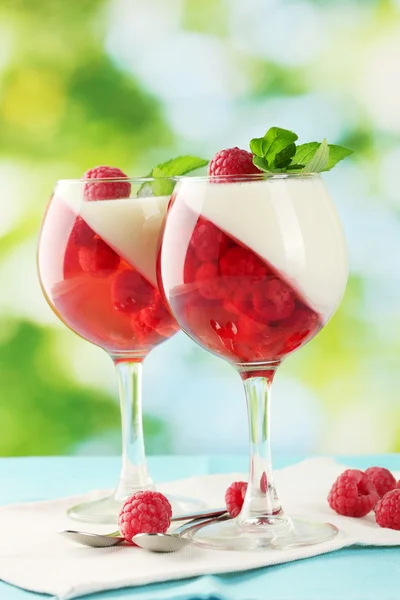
(319, 161)
(277, 152)
(176, 167)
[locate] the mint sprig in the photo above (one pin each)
(175, 167)
(277, 152)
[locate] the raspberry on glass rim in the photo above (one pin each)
(253, 263)
(232, 161)
(97, 266)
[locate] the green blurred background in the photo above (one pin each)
(133, 82)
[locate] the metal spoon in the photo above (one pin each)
(172, 542)
(98, 540)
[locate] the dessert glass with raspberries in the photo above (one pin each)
(97, 265)
(253, 265)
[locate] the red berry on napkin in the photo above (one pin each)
(387, 511)
(144, 512)
(353, 494)
(382, 479)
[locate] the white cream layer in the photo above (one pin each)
(130, 226)
(290, 222)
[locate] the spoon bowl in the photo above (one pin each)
(172, 542)
(161, 542)
(94, 540)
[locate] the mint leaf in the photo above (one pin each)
(293, 167)
(161, 187)
(319, 161)
(305, 152)
(336, 154)
(284, 157)
(261, 163)
(277, 152)
(181, 165)
(276, 140)
(256, 146)
(175, 167)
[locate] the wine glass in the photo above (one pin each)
(97, 267)
(252, 268)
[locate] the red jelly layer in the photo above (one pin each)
(231, 301)
(95, 292)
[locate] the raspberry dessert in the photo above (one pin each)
(382, 479)
(387, 511)
(253, 263)
(98, 262)
(144, 512)
(97, 265)
(239, 286)
(353, 494)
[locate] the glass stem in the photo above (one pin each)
(134, 474)
(261, 504)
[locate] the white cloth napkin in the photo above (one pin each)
(34, 557)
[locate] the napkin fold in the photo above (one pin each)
(35, 557)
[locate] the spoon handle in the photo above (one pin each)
(200, 514)
(198, 522)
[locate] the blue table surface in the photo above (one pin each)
(348, 574)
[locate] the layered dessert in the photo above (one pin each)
(253, 267)
(97, 260)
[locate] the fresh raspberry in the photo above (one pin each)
(234, 497)
(239, 262)
(398, 484)
(274, 300)
(382, 479)
(209, 282)
(144, 512)
(98, 259)
(353, 494)
(81, 234)
(387, 511)
(106, 190)
(208, 241)
(131, 292)
(232, 161)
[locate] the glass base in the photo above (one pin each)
(275, 533)
(106, 510)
